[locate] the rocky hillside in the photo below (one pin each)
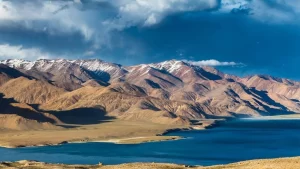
(21, 116)
(170, 92)
(7, 73)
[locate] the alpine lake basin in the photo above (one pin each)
(232, 141)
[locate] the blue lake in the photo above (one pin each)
(233, 141)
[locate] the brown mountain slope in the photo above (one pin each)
(60, 73)
(7, 73)
(29, 91)
(124, 105)
(20, 116)
(289, 89)
(167, 92)
(104, 71)
(126, 101)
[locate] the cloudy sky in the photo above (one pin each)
(238, 36)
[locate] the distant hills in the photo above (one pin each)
(44, 93)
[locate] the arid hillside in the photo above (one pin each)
(284, 163)
(171, 92)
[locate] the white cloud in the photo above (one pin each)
(279, 11)
(151, 20)
(89, 53)
(213, 62)
(55, 16)
(152, 12)
(94, 19)
(19, 52)
(273, 11)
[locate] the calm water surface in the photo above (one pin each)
(231, 142)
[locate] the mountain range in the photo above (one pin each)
(45, 94)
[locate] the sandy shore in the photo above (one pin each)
(278, 117)
(117, 131)
(124, 132)
(281, 163)
(137, 140)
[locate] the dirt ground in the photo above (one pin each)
(114, 131)
(283, 163)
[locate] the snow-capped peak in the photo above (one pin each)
(97, 65)
(92, 65)
(171, 66)
(46, 65)
(18, 63)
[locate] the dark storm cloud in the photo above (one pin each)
(266, 48)
(263, 34)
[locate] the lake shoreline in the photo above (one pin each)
(162, 136)
(192, 137)
(157, 136)
(126, 140)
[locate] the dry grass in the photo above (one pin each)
(283, 163)
(112, 130)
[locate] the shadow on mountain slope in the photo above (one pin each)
(11, 72)
(210, 76)
(7, 73)
(152, 84)
(263, 95)
(21, 110)
(100, 75)
(82, 116)
(273, 111)
(164, 71)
